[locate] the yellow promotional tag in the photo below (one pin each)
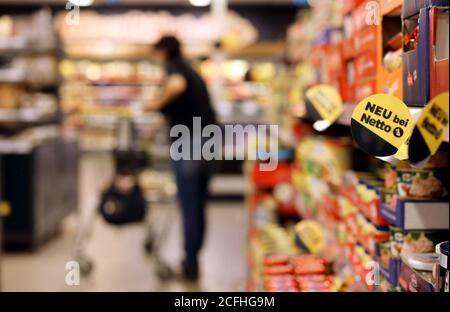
(403, 151)
(327, 101)
(381, 124)
(433, 122)
(311, 235)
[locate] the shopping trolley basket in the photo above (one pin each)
(132, 191)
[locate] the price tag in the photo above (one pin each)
(430, 129)
(310, 235)
(326, 103)
(381, 124)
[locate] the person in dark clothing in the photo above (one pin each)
(184, 97)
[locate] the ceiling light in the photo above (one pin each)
(82, 3)
(200, 3)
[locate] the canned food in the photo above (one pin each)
(443, 275)
(420, 183)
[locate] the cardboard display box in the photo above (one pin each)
(411, 214)
(439, 46)
(391, 273)
(411, 280)
(416, 70)
(423, 80)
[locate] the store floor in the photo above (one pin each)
(121, 263)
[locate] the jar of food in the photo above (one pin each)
(442, 274)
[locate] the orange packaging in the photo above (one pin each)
(366, 65)
(276, 260)
(279, 270)
(364, 89)
(366, 40)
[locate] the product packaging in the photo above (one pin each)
(439, 43)
(416, 71)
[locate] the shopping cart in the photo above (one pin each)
(150, 185)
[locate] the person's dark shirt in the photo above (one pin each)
(193, 102)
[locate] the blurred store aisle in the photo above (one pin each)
(120, 261)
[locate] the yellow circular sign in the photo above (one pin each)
(381, 124)
(430, 129)
(327, 101)
(311, 235)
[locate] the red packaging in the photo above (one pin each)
(279, 270)
(359, 18)
(315, 285)
(280, 285)
(266, 179)
(316, 289)
(347, 48)
(295, 260)
(438, 67)
(319, 278)
(349, 5)
(366, 40)
(366, 65)
(348, 82)
(276, 260)
(279, 278)
(364, 89)
(310, 267)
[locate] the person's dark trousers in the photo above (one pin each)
(192, 177)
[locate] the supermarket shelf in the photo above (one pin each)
(106, 52)
(111, 120)
(109, 83)
(261, 49)
(16, 116)
(15, 45)
(97, 150)
(12, 44)
(13, 75)
(19, 76)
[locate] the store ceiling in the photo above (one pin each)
(146, 2)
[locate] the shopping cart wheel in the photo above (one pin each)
(86, 265)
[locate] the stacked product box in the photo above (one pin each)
(415, 203)
(327, 57)
(348, 53)
(270, 239)
(366, 224)
(390, 49)
(319, 164)
(326, 26)
(352, 248)
(275, 184)
(366, 31)
(269, 195)
(321, 178)
(361, 212)
(439, 43)
(306, 273)
(425, 45)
